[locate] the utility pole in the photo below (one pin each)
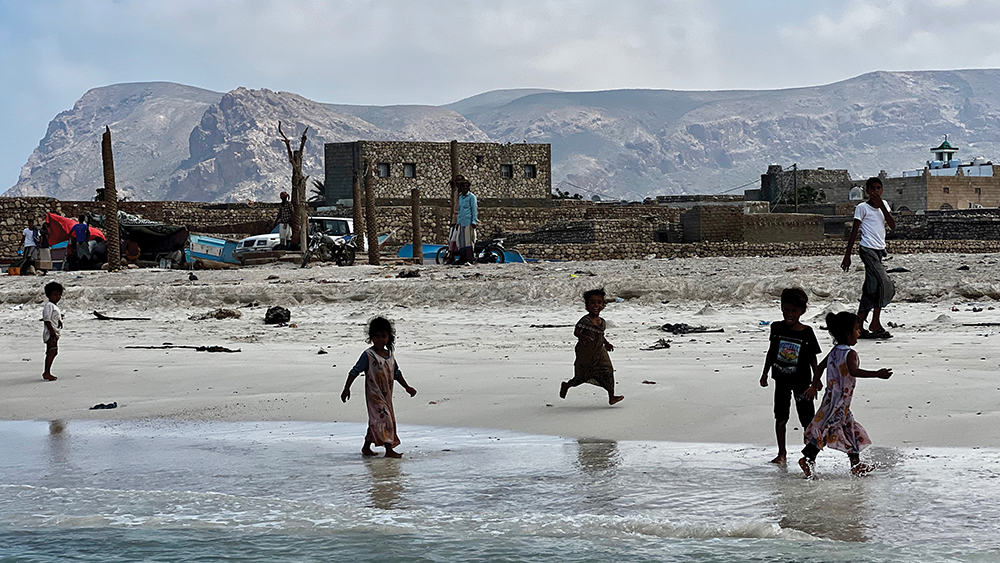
(795, 184)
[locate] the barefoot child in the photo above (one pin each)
(791, 359)
(593, 365)
(380, 369)
(52, 318)
(834, 424)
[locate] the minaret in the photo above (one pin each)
(944, 152)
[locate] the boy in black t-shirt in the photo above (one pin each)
(791, 359)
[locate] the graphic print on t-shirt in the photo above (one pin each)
(788, 352)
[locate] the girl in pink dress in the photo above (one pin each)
(834, 423)
(380, 369)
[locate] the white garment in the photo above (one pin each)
(29, 237)
(285, 233)
(872, 225)
(51, 314)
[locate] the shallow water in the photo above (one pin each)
(179, 491)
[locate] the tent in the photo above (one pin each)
(59, 228)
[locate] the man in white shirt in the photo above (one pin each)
(871, 218)
(30, 241)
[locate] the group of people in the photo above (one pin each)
(792, 357)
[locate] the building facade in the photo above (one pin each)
(497, 171)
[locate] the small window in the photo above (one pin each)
(383, 170)
(479, 159)
(506, 170)
(409, 170)
(979, 191)
(530, 171)
(899, 191)
(947, 191)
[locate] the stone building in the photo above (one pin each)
(497, 171)
(778, 183)
(945, 183)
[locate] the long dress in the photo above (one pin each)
(593, 364)
(380, 373)
(834, 424)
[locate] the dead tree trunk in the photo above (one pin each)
(373, 246)
(110, 203)
(300, 209)
(418, 244)
(359, 210)
(455, 171)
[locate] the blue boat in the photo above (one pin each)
(214, 249)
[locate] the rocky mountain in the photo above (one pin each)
(178, 142)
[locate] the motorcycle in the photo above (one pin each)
(486, 252)
(325, 247)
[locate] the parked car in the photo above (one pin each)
(333, 226)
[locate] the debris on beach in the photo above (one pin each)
(898, 270)
(322, 351)
(102, 317)
(648, 382)
(706, 310)
(272, 277)
(216, 314)
(413, 273)
(550, 326)
(963, 267)
(100, 406)
(684, 328)
(277, 315)
(168, 346)
(660, 344)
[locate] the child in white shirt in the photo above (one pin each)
(52, 317)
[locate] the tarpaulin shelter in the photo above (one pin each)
(59, 229)
(153, 238)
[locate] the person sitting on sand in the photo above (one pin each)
(834, 424)
(871, 218)
(52, 318)
(791, 359)
(380, 369)
(592, 365)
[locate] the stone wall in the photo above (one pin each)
(664, 250)
(14, 215)
(481, 163)
(782, 227)
(980, 224)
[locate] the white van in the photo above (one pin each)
(333, 226)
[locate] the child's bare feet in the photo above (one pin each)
(779, 460)
(861, 469)
(368, 452)
(49, 377)
(389, 452)
(615, 399)
(563, 387)
(807, 467)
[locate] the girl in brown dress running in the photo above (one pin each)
(592, 365)
(380, 369)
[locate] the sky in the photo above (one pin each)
(435, 52)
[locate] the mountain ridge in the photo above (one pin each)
(617, 143)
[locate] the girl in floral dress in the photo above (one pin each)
(834, 423)
(380, 369)
(592, 365)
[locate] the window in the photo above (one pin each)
(506, 170)
(479, 159)
(979, 191)
(530, 171)
(899, 191)
(946, 190)
(383, 170)
(409, 170)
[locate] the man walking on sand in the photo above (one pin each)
(871, 218)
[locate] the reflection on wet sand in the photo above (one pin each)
(58, 442)
(597, 456)
(387, 487)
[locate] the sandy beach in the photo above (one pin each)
(473, 341)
